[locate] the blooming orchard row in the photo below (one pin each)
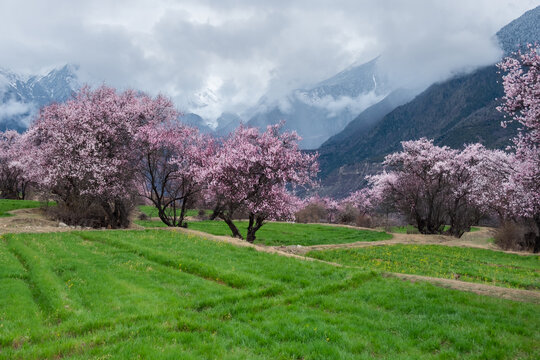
(436, 186)
(101, 152)
(98, 154)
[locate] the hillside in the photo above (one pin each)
(523, 30)
(459, 111)
(22, 96)
(455, 112)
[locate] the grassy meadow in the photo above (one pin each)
(164, 295)
(277, 234)
(466, 264)
(9, 205)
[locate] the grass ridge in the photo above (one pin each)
(205, 272)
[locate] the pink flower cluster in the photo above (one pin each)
(255, 172)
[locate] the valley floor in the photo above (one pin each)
(169, 294)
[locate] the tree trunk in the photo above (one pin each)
(181, 222)
(117, 214)
(255, 223)
(121, 214)
(231, 225)
(421, 225)
(537, 238)
(215, 213)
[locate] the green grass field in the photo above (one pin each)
(158, 294)
(8, 205)
(276, 234)
(467, 264)
(412, 229)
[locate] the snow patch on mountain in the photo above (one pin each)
(22, 95)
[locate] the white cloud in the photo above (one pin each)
(245, 49)
(335, 105)
(14, 109)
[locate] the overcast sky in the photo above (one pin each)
(243, 49)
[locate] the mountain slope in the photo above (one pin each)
(196, 121)
(458, 111)
(369, 117)
(227, 123)
(524, 30)
(326, 108)
(21, 97)
(454, 112)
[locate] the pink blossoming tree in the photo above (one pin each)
(175, 160)
(13, 181)
(522, 104)
(83, 153)
(435, 186)
(316, 208)
(252, 172)
(364, 200)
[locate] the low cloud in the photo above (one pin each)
(335, 106)
(241, 50)
(13, 108)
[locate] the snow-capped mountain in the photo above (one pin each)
(325, 109)
(227, 122)
(21, 96)
(195, 120)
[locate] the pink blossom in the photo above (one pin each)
(257, 172)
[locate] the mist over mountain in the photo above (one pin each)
(455, 112)
(21, 96)
(324, 109)
(227, 122)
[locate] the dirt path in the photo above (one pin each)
(477, 288)
(477, 239)
(481, 289)
(29, 220)
(32, 220)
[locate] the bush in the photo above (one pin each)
(201, 214)
(312, 213)
(348, 215)
(516, 236)
(87, 212)
(143, 216)
(364, 221)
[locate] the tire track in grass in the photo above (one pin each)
(481, 289)
(229, 279)
(20, 316)
(48, 291)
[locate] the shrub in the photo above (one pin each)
(143, 216)
(312, 213)
(364, 220)
(201, 214)
(348, 214)
(516, 236)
